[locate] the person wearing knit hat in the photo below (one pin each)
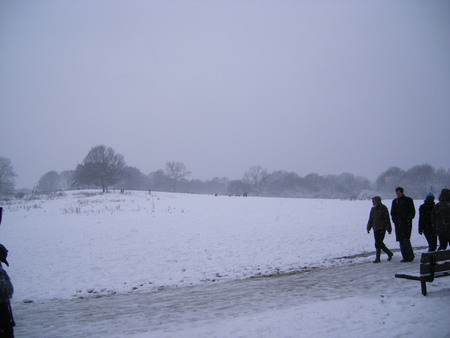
(425, 225)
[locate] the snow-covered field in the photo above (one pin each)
(85, 244)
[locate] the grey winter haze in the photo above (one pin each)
(303, 86)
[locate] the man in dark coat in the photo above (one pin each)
(425, 226)
(440, 219)
(380, 223)
(402, 213)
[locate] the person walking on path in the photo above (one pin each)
(402, 213)
(440, 219)
(380, 222)
(425, 225)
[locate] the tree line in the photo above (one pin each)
(105, 169)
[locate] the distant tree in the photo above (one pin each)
(387, 181)
(281, 183)
(215, 186)
(176, 171)
(349, 185)
(237, 187)
(256, 178)
(102, 167)
(315, 186)
(159, 181)
(49, 182)
(418, 180)
(194, 186)
(441, 180)
(133, 179)
(66, 179)
(7, 175)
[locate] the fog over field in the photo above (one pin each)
(306, 86)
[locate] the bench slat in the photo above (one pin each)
(438, 267)
(438, 256)
(443, 274)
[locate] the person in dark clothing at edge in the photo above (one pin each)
(425, 225)
(6, 291)
(402, 213)
(380, 222)
(440, 219)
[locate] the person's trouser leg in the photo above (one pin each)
(406, 249)
(387, 251)
(402, 249)
(379, 245)
(432, 241)
(442, 242)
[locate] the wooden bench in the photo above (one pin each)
(432, 265)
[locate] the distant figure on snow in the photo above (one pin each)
(440, 219)
(403, 212)
(425, 225)
(380, 222)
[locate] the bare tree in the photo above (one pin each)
(176, 171)
(256, 178)
(133, 179)
(419, 180)
(159, 181)
(66, 179)
(7, 175)
(102, 167)
(49, 182)
(388, 180)
(237, 187)
(282, 183)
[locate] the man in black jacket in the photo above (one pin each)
(402, 213)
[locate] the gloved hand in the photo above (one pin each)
(420, 232)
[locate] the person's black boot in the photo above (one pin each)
(377, 258)
(388, 252)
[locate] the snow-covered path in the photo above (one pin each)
(353, 300)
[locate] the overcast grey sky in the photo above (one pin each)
(305, 86)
